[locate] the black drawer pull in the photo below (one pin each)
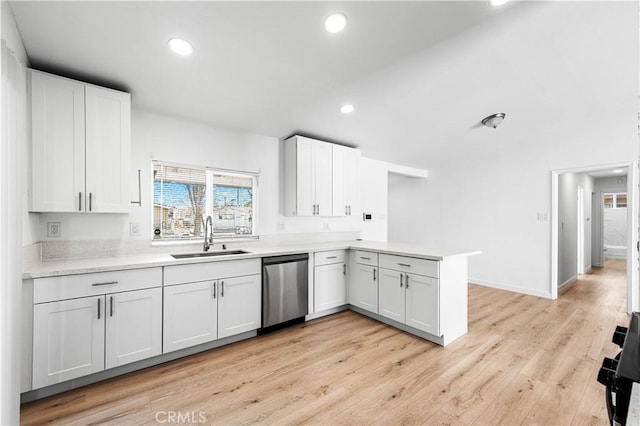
(107, 283)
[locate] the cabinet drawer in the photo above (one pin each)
(410, 264)
(194, 272)
(366, 258)
(73, 286)
(329, 257)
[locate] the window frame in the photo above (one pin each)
(209, 203)
(614, 200)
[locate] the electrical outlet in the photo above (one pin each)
(134, 229)
(280, 227)
(54, 229)
(325, 226)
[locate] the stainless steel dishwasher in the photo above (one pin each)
(285, 290)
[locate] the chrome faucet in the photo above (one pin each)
(208, 238)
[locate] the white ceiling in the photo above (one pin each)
(422, 74)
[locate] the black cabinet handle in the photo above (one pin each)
(99, 303)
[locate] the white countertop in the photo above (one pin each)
(83, 266)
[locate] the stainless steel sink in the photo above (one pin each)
(207, 254)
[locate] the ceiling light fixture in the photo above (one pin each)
(498, 2)
(618, 171)
(494, 120)
(347, 109)
(335, 23)
(180, 46)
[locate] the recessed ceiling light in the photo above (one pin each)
(498, 2)
(618, 171)
(335, 23)
(180, 46)
(347, 109)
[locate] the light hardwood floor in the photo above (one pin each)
(525, 360)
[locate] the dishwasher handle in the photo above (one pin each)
(274, 260)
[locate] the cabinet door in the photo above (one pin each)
(329, 286)
(340, 207)
(352, 182)
(68, 340)
(346, 181)
(391, 294)
(363, 287)
(239, 306)
(108, 129)
(322, 159)
(305, 190)
(58, 144)
(423, 303)
(190, 315)
(133, 326)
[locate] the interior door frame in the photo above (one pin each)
(580, 269)
(633, 275)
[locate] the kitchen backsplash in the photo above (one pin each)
(79, 249)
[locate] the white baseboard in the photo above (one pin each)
(569, 281)
(511, 288)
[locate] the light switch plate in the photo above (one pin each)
(54, 229)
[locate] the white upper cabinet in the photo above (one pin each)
(308, 181)
(346, 180)
(108, 133)
(80, 146)
(58, 147)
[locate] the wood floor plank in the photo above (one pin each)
(526, 360)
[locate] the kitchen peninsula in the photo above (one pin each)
(420, 290)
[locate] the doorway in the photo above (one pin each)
(577, 224)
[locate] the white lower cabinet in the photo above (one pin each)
(329, 280)
(422, 303)
(213, 307)
(190, 315)
(133, 326)
(391, 295)
(83, 324)
(363, 286)
(410, 298)
(239, 305)
(329, 286)
(73, 338)
(68, 340)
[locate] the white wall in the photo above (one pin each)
(491, 202)
(374, 175)
(406, 213)
(568, 184)
(158, 137)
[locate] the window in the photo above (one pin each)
(615, 200)
(184, 196)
